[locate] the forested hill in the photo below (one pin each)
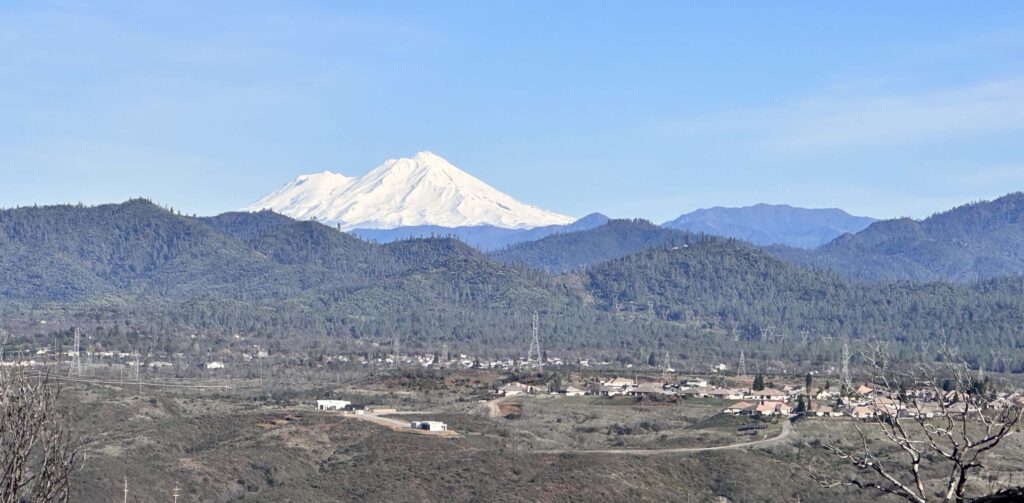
(72, 254)
(577, 250)
(168, 275)
(975, 241)
(137, 264)
(735, 288)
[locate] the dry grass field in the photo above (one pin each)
(235, 446)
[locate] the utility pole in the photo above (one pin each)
(138, 376)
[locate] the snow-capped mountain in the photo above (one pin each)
(422, 190)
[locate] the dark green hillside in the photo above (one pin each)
(70, 252)
(165, 275)
(975, 241)
(247, 226)
(578, 250)
(731, 286)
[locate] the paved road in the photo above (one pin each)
(786, 428)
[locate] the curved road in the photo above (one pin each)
(786, 428)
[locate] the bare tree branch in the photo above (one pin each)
(945, 430)
(37, 453)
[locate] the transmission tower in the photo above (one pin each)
(395, 351)
(3, 343)
(76, 359)
(535, 342)
(846, 366)
(741, 370)
(666, 367)
(444, 355)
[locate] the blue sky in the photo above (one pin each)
(644, 109)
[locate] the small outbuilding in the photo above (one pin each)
(429, 425)
(332, 404)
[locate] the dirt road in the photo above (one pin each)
(786, 428)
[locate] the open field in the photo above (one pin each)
(247, 444)
(550, 422)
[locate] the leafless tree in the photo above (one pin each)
(37, 452)
(945, 430)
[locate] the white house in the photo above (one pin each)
(862, 412)
(825, 411)
(769, 394)
(515, 388)
(740, 408)
(650, 388)
(429, 425)
(214, 365)
(574, 391)
(332, 404)
(825, 395)
(620, 382)
(767, 408)
(725, 394)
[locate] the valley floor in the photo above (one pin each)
(220, 446)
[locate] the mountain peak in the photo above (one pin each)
(424, 189)
(766, 224)
(428, 156)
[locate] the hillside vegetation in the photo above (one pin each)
(578, 250)
(976, 241)
(168, 275)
